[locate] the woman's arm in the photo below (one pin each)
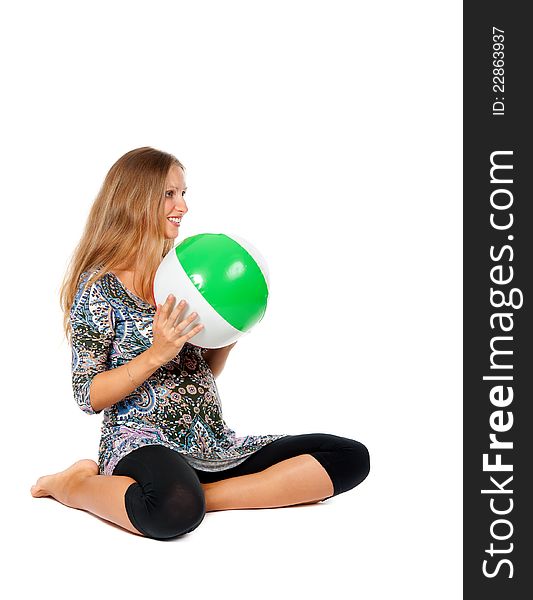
(94, 384)
(111, 386)
(216, 358)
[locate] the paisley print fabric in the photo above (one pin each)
(178, 406)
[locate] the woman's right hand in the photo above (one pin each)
(167, 330)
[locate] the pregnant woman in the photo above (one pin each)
(166, 455)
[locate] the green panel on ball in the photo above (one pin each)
(227, 276)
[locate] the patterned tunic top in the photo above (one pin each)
(178, 406)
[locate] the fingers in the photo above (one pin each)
(163, 309)
(174, 314)
(185, 323)
(193, 332)
(167, 315)
(172, 318)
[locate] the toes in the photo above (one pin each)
(37, 492)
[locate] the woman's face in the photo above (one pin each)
(175, 206)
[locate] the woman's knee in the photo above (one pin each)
(347, 462)
(165, 514)
(353, 466)
(181, 510)
(168, 499)
(359, 456)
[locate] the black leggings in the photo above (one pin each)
(167, 499)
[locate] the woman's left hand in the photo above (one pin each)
(216, 358)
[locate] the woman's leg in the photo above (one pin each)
(296, 469)
(297, 480)
(81, 487)
(167, 499)
(153, 492)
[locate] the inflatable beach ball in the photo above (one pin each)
(223, 278)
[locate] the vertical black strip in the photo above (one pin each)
(497, 122)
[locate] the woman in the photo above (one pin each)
(166, 455)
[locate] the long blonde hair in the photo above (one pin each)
(125, 227)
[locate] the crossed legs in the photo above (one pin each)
(155, 492)
(297, 480)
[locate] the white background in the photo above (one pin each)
(329, 135)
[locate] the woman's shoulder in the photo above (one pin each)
(108, 288)
(83, 280)
(92, 289)
(91, 310)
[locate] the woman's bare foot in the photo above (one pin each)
(59, 484)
